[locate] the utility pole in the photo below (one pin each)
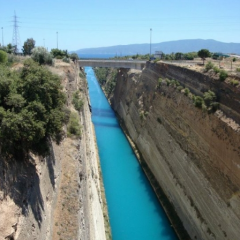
(57, 40)
(16, 37)
(150, 42)
(2, 38)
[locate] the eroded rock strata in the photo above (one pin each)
(193, 155)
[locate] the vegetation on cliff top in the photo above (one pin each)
(31, 110)
(207, 102)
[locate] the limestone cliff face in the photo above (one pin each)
(194, 156)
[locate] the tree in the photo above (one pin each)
(41, 55)
(8, 49)
(29, 44)
(203, 54)
(57, 53)
(3, 56)
(74, 56)
(178, 55)
(31, 111)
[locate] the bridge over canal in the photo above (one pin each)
(112, 63)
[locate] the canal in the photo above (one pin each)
(134, 210)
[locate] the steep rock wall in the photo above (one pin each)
(194, 156)
(58, 197)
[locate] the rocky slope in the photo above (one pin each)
(61, 196)
(193, 155)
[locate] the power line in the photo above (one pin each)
(16, 36)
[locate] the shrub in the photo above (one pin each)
(142, 115)
(209, 66)
(174, 83)
(76, 101)
(209, 97)
(81, 74)
(74, 127)
(74, 56)
(238, 69)
(3, 56)
(168, 81)
(214, 106)
(216, 69)
(223, 75)
(234, 82)
(198, 102)
(12, 59)
(66, 60)
(159, 83)
(42, 56)
(186, 91)
(180, 88)
(210, 101)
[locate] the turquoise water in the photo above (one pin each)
(134, 211)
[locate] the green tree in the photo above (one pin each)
(9, 48)
(57, 53)
(3, 56)
(29, 44)
(178, 55)
(41, 55)
(74, 56)
(203, 54)
(31, 110)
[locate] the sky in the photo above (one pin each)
(78, 24)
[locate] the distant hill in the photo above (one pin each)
(184, 46)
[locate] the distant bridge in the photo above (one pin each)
(112, 63)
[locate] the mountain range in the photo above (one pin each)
(184, 46)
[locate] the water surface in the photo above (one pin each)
(134, 211)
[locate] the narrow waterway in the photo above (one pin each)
(135, 213)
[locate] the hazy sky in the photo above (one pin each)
(98, 23)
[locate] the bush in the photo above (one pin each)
(42, 56)
(234, 82)
(209, 66)
(168, 81)
(214, 106)
(216, 69)
(12, 59)
(180, 88)
(186, 91)
(66, 60)
(209, 97)
(3, 56)
(74, 56)
(76, 101)
(74, 127)
(159, 83)
(223, 75)
(238, 69)
(198, 102)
